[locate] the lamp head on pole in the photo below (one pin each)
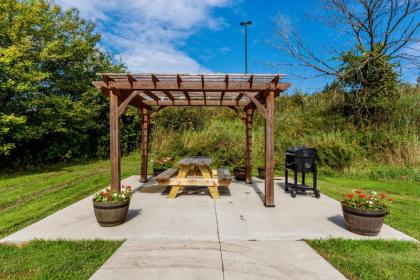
(249, 22)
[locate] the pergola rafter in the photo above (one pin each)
(152, 92)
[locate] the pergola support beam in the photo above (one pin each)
(257, 103)
(269, 150)
(123, 106)
(115, 153)
(144, 143)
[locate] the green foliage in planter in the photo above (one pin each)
(112, 196)
(369, 201)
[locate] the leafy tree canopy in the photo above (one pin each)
(48, 58)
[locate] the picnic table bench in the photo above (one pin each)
(194, 171)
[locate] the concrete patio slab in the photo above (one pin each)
(242, 217)
(238, 215)
(242, 260)
(143, 259)
(151, 216)
(248, 260)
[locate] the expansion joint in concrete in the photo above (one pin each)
(218, 237)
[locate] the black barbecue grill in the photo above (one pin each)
(304, 160)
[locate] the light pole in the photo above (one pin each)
(245, 24)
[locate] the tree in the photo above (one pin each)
(381, 33)
(386, 27)
(48, 58)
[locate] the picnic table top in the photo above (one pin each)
(195, 161)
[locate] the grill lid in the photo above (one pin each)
(302, 152)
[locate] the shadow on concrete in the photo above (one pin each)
(200, 190)
(152, 187)
(132, 213)
(338, 220)
(254, 186)
(282, 186)
(258, 191)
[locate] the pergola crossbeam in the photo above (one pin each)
(131, 79)
(178, 80)
(194, 102)
(190, 86)
(187, 96)
(239, 97)
(169, 95)
(251, 80)
(151, 95)
(155, 79)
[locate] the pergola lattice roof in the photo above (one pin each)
(190, 89)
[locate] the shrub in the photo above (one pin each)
(334, 152)
(224, 141)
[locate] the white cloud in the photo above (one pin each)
(146, 33)
(225, 50)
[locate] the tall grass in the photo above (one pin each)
(301, 120)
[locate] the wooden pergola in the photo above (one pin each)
(152, 92)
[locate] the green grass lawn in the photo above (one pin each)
(371, 259)
(54, 259)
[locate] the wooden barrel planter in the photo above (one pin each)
(109, 214)
(239, 173)
(261, 172)
(362, 221)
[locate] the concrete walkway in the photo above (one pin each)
(194, 237)
(238, 260)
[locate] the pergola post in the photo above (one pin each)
(144, 143)
(248, 123)
(115, 153)
(269, 150)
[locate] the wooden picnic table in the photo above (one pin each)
(194, 171)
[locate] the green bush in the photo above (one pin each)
(222, 140)
(334, 152)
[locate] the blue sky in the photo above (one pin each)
(205, 35)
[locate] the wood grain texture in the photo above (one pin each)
(269, 151)
(115, 153)
(163, 89)
(144, 144)
(198, 161)
(248, 153)
(167, 174)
